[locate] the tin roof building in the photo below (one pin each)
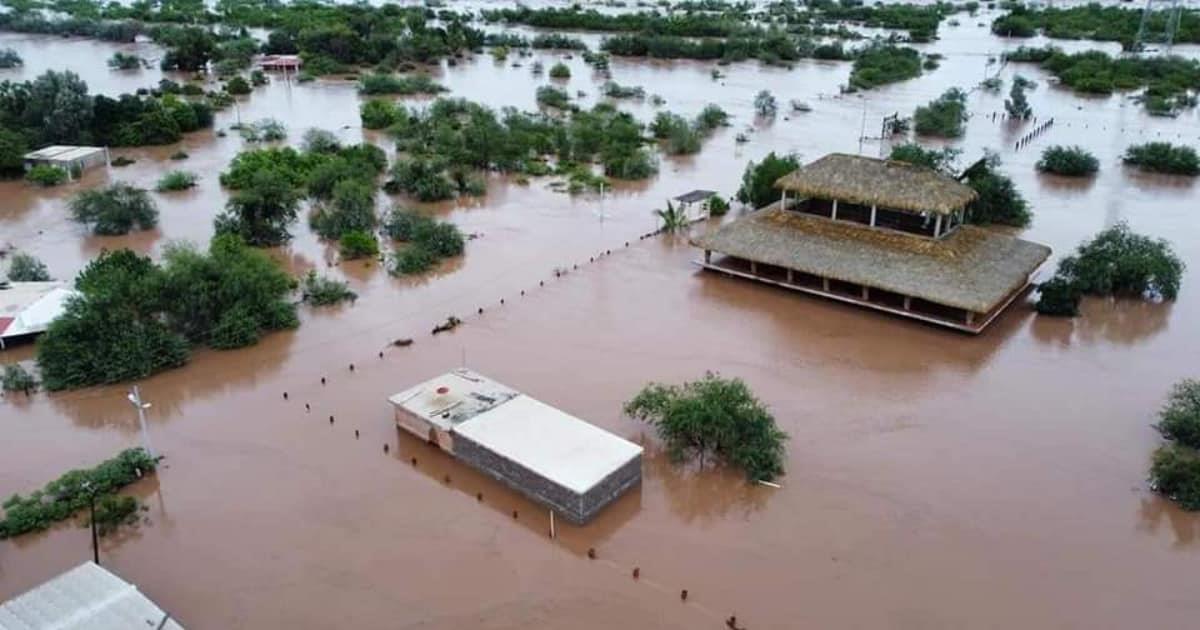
(87, 597)
(881, 234)
(72, 159)
(569, 465)
(27, 308)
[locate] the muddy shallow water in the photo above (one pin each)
(934, 479)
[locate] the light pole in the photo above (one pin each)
(135, 398)
(87, 487)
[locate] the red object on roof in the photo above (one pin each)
(4, 322)
(443, 390)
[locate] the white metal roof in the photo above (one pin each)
(62, 153)
(550, 442)
(32, 306)
(453, 397)
(86, 597)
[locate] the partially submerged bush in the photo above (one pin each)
(115, 210)
(356, 244)
(560, 71)
(765, 104)
(10, 59)
(428, 240)
(1179, 419)
(1175, 474)
(46, 175)
(1163, 157)
(375, 83)
(1070, 161)
(17, 379)
(550, 96)
(63, 497)
(237, 86)
(882, 64)
(936, 159)
(1115, 262)
(998, 200)
(26, 268)
(944, 116)
(321, 291)
(1059, 297)
(758, 181)
(124, 61)
(717, 206)
(715, 418)
(176, 180)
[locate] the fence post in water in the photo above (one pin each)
(552, 523)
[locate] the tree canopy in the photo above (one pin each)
(758, 180)
(713, 417)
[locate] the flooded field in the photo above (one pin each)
(934, 480)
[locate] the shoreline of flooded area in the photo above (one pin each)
(933, 479)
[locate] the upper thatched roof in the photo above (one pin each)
(885, 183)
(971, 268)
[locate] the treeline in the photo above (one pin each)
(1096, 22)
(1169, 81)
(56, 108)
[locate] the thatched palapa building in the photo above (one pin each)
(882, 234)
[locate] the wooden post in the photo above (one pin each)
(833, 215)
(753, 268)
(873, 207)
(783, 200)
(866, 293)
(937, 227)
(789, 276)
(907, 303)
(825, 284)
(707, 256)
(552, 523)
(970, 318)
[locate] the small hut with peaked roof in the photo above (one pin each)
(881, 234)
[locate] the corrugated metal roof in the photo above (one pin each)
(86, 597)
(32, 306)
(62, 153)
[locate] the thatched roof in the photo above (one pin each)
(971, 268)
(885, 183)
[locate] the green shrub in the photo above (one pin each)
(937, 159)
(944, 116)
(1179, 419)
(998, 200)
(412, 259)
(1016, 105)
(320, 141)
(115, 210)
(264, 130)
(26, 268)
(550, 96)
(1175, 474)
(758, 181)
(612, 89)
(379, 114)
(237, 86)
(765, 105)
(17, 379)
(375, 84)
(428, 240)
(717, 206)
(1070, 161)
(46, 175)
(258, 77)
(422, 178)
(179, 156)
(321, 291)
(351, 209)
(113, 511)
(65, 496)
(358, 244)
(1058, 297)
(560, 71)
(713, 417)
(10, 59)
(176, 180)
(1163, 157)
(711, 117)
(124, 61)
(882, 64)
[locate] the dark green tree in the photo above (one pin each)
(261, 212)
(114, 210)
(758, 181)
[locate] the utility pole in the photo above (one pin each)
(135, 398)
(87, 487)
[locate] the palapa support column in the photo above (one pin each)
(866, 293)
(825, 284)
(707, 256)
(907, 303)
(753, 268)
(833, 215)
(873, 208)
(789, 277)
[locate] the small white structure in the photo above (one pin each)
(88, 597)
(74, 160)
(27, 308)
(552, 457)
(694, 204)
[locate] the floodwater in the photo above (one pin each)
(934, 479)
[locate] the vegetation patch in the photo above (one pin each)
(882, 64)
(1163, 157)
(427, 241)
(945, 116)
(1116, 262)
(176, 180)
(17, 379)
(378, 83)
(135, 317)
(1069, 161)
(23, 267)
(1175, 471)
(713, 418)
(1095, 22)
(63, 497)
(758, 180)
(115, 210)
(322, 291)
(46, 175)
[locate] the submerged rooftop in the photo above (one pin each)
(453, 398)
(884, 183)
(87, 597)
(973, 269)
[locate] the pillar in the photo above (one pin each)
(825, 284)
(834, 214)
(783, 200)
(970, 318)
(866, 293)
(707, 256)
(873, 208)
(789, 277)
(907, 303)
(753, 268)
(937, 226)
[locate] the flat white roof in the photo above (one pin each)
(62, 153)
(29, 307)
(550, 442)
(87, 597)
(453, 397)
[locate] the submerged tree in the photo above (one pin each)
(26, 268)
(1175, 471)
(758, 181)
(714, 418)
(943, 116)
(765, 105)
(261, 212)
(115, 210)
(1016, 104)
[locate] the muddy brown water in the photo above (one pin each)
(934, 480)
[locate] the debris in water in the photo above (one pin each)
(451, 323)
(402, 343)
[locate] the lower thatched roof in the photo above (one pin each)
(885, 183)
(972, 268)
